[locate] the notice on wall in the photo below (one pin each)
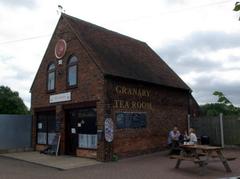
(73, 130)
(60, 97)
(108, 129)
(40, 125)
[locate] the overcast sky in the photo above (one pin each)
(200, 40)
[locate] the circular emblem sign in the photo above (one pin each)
(60, 48)
(108, 129)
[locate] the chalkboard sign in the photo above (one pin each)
(131, 120)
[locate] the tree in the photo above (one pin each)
(223, 105)
(237, 7)
(222, 99)
(10, 102)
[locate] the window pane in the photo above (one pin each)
(72, 60)
(51, 128)
(41, 129)
(51, 123)
(51, 67)
(92, 141)
(51, 81)
(51, 137)
(87, 141)
(72, 75)
(82, 143)
(42, 138)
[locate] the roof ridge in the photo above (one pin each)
(103, 28)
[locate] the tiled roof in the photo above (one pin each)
(122, 56)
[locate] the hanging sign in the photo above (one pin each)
(60, 48)
(108, 129)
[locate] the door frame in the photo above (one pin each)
(67, 124)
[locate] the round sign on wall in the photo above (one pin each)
(60, 48)
(108, 129)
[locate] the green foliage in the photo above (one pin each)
(223, 105)
(214, 109)
(10, 102)
(237, 6)
(221, 98)
(115, 157)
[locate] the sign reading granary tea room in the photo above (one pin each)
(132, 91)
(132, 104)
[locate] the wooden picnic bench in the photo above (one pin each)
(202, 155)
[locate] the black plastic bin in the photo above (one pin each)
(205, 140)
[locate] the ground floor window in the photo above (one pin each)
(46, 127)
(87, 141)
(87, 132)
(81, 129)
(131, 120)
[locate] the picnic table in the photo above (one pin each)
(202, 155)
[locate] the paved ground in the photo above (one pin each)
(60, 162)
(154, 166)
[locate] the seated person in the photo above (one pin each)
(191, 138)
(173, 140)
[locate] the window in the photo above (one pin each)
(87, 141)
(41, 130)
(51, 77)
(72, 71)
(131, 120)
(46, 128)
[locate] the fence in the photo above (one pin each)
(231, 130)
(211, 127)
(15, 132)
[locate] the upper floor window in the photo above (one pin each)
(72, 71)
(51, 77)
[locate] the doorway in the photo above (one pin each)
(45, 127)
(81, 129)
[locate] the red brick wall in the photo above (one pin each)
(90, 80)
(169, 107)
(86, 153)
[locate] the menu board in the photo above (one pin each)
(131, 120)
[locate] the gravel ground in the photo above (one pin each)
(157, 165)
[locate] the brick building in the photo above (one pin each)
(105, 93)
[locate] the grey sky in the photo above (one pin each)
(200, 40)
(19, 3)
(190, 55)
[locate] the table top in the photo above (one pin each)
(202, 147)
